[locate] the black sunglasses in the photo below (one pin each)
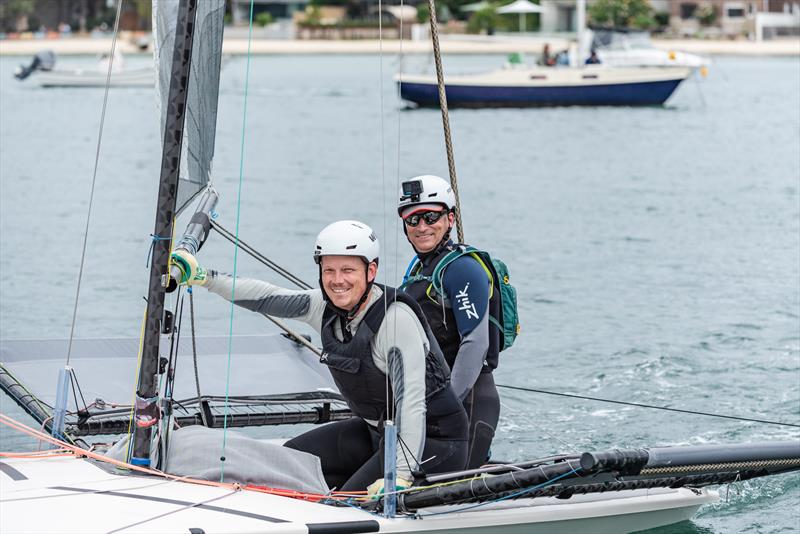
(430, 217)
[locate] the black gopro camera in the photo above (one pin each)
(412, 189)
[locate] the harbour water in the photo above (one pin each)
(656, 251)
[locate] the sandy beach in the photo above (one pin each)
(450, 44)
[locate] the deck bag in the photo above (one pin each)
(194, 451)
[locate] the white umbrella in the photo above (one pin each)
(522, 7)
(404, 13)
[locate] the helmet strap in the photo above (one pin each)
(354, 311)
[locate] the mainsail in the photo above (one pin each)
(201, 107)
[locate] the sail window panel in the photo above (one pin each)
(197, 151)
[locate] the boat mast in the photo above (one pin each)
(580, 23)
(147, 408)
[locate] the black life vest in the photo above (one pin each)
(439, 312)
(361, 383)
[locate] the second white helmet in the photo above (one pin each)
(425, 189)
(347, 238)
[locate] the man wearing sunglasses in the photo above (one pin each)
(380, 352)
(460, 317)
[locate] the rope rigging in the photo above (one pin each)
(94, 179)
(194, 356)
(650, 406)
(451, 163)
(256, 255)
(236, 242)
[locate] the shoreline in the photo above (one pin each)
(450, 44)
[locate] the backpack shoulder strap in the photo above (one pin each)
(411, 276)
(449, 258)
(462, 250)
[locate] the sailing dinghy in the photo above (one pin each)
(42, 67)
(181, 468)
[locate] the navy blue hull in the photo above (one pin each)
(623, 94)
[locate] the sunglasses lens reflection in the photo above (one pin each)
(430, 217)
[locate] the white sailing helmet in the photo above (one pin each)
(347, 238)
(425, 189)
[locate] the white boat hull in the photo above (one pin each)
(90, 78)
(67, 495)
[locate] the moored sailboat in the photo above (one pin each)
(548, 86)
(576, 84)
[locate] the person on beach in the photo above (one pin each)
(460, 317)
(381, 354)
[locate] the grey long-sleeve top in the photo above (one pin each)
(399, 348)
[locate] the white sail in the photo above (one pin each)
(197, 151)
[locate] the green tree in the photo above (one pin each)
(622, 14)
(485, 19)
(264, 18)
(423, 13)
(12, 10)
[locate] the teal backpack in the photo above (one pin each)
(496, 270)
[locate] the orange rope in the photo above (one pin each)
(65, 449)
(8, 421)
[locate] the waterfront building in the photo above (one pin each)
(756, 19)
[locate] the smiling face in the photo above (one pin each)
(425, 237)
(344, 279)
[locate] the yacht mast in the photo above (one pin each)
(147, 407)
(580, 24)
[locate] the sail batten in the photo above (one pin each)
(197, 153)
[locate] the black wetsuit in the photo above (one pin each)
(469, 341)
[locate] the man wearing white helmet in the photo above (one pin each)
(461, 316)
(368, 332)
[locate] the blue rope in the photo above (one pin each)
(236, 249)
(153, 240)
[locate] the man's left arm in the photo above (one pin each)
(467, 287)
